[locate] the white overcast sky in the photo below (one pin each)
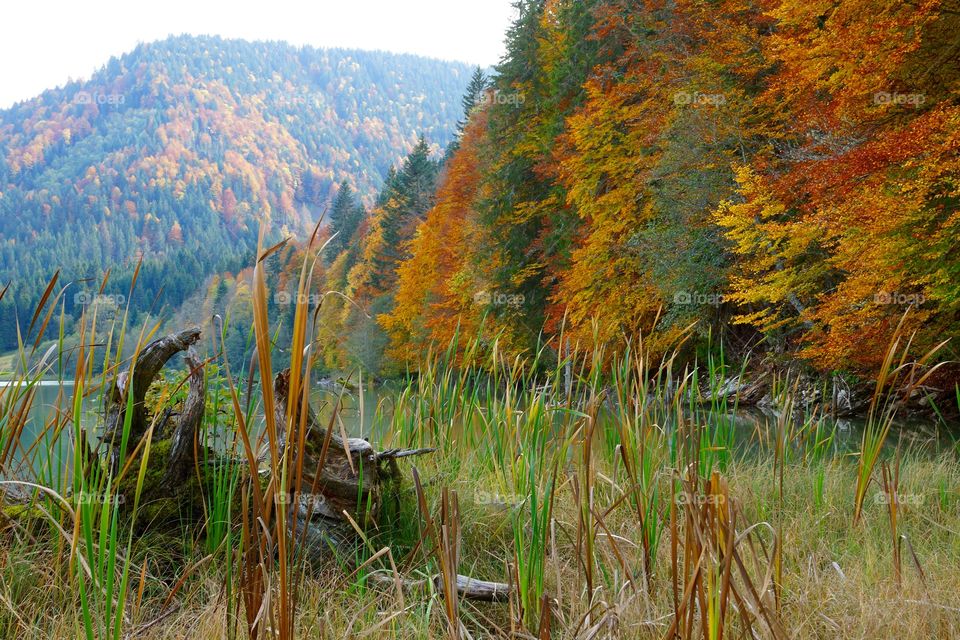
(43, 43)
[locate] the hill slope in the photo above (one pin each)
(176, 150)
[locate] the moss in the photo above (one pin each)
(159, 452)
(23, 512)
(160, 503)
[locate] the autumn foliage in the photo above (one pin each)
(781, 169)
(177, 151)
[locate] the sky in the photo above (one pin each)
(44, 43)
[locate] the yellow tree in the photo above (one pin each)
(437, 289)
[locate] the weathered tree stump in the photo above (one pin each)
(145, 369)
(171, 487)
(181, 459)
(342, 479)
(339, 475)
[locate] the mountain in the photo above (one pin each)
(177, 150)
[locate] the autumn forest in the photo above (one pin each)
(647, 330)
(783, 175)
(779, 176)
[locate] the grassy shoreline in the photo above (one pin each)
(609, 492)
(838, 579)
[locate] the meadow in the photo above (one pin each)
(605, 490)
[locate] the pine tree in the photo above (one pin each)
(417, 179)
(406, 197)
(473, 98)
(345, 217)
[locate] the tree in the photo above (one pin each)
(345, 218)
(406, 197)
(437, 285)
(472, 99)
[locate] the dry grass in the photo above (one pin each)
(838, 580)
(601, 488)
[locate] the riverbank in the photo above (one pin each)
(612, 505)
(835, 579)
(614, 502)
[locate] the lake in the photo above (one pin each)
(364, 415)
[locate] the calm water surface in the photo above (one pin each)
(361, 413)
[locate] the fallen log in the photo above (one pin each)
(467, 588)
(339, 475)
(344, 480)
(342, 485)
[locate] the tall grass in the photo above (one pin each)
(80, 498)
(598, 482)
(896, 381)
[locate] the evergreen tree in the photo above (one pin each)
(345, 217)
(417, 181)
(403, 204)
(474, 97)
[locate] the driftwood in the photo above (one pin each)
(150, 361)
(467, 587)
(351, 480)
(343, 479)
(350, 476)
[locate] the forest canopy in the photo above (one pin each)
(177, 152)
(781, 175)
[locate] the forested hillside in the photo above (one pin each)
(781, 175)
(178, 150)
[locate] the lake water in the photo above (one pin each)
(359, 416)
(48, 428)
(49, 422)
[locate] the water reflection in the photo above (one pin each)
(48, 427)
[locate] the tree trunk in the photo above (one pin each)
(338, 474)
(181, 459)
(171, 488)
(348, 477)
(342, 479)
(150, 361)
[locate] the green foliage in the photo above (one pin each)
(174, 152)
(346, 214)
